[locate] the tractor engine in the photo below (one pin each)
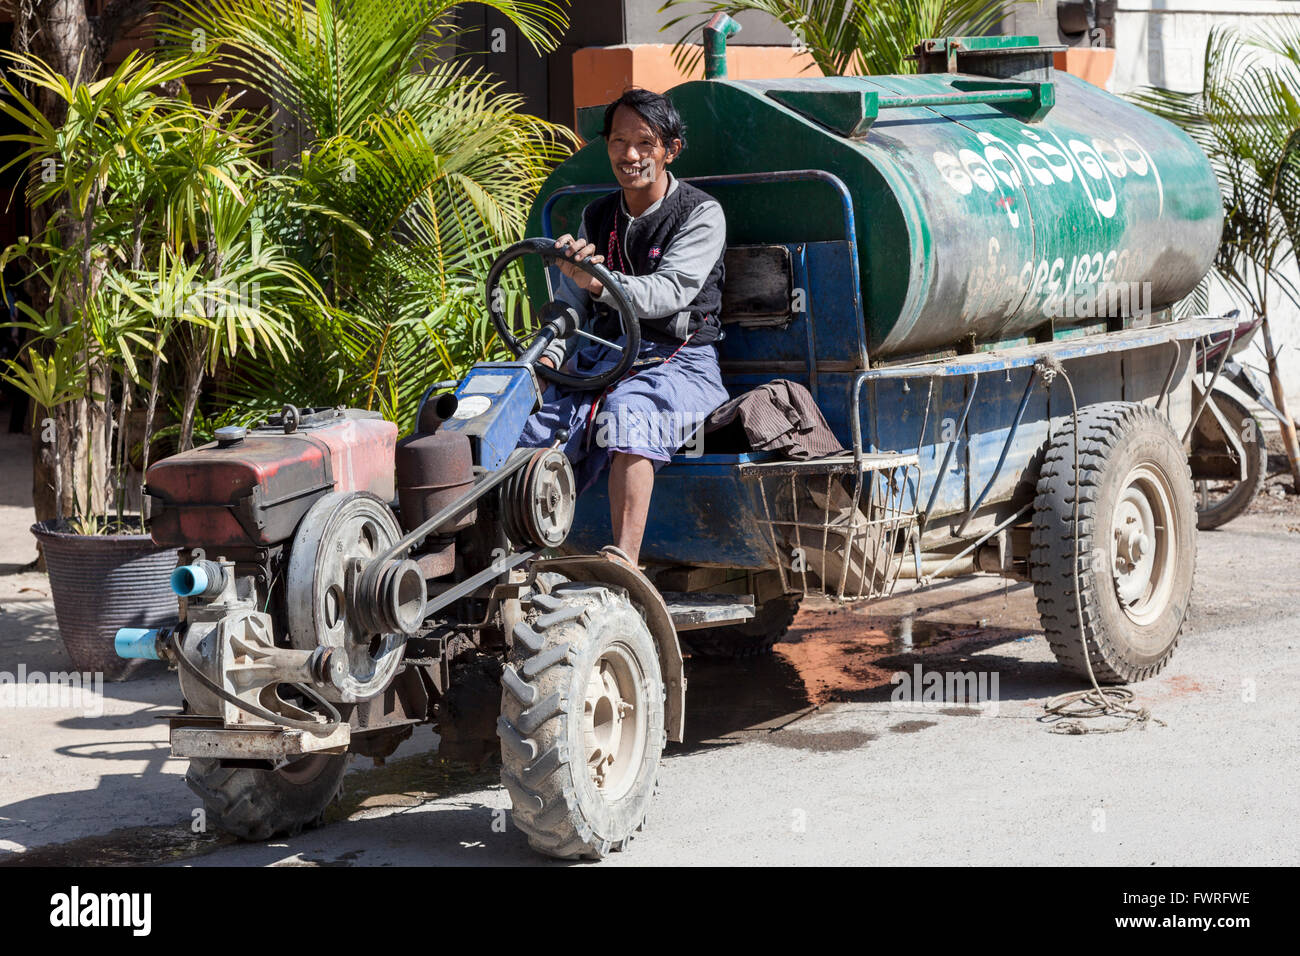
(291, 608)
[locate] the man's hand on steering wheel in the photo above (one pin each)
(580, 250)
(558, 320)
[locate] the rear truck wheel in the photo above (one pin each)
(261, 804)
(582, 721)
(749, 638)
(1218, 501)
(1137, 542)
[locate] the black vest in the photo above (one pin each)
(607, 226)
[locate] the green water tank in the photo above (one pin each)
(995, 197)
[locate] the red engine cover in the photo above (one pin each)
(255, 491)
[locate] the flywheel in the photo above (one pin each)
(339, 536)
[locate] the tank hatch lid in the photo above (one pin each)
(848, 112)
(848, 106)
(999, 57)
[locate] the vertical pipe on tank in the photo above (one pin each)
(716, 32)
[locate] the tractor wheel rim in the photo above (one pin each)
(1143, 545)
(614, 714)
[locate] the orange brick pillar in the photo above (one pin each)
(602, 73)
(1087, 63)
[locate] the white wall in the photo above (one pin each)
(1162, 43)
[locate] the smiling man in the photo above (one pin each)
(664, 239)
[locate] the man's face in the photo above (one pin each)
(636, 153)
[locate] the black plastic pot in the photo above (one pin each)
(100, 583)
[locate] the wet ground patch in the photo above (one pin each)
(129, 846)
(831, 741)
(911, 726)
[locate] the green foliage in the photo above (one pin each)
(171, 251)
(51, 380)
(850, 36)
(412, 172)
(1247, 120)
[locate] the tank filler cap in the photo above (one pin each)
(230, 435)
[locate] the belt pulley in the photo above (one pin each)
(537, 501)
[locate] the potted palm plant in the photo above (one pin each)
(412, 170)
(151, 266)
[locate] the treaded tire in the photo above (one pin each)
(261, 804)
(1235, 503)
(1114, 438)
(545, 736)
(750, 639)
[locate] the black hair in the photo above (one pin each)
(656, 109)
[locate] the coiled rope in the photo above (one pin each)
(1067, 712)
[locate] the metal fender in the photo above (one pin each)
(1210, 435)
(604, 568)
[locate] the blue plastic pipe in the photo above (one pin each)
(137, 643)
(205, 578)
(190, 580)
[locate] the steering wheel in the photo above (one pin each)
(557, 327)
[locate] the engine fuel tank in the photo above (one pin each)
(252, 489)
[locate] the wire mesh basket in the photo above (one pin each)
(839, 526)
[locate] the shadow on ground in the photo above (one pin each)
(832, 657)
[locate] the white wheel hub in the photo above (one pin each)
(613, 721)
(1143, 544)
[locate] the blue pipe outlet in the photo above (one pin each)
(190, 580)
(137, 643)
(200, 579)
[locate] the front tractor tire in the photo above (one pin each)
(582, 721)
(1137, 542)
(261, 804)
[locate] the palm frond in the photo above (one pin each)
(414, 170)
(848, 36)
(1247, 120)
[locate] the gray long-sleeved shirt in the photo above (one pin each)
(671, 288)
